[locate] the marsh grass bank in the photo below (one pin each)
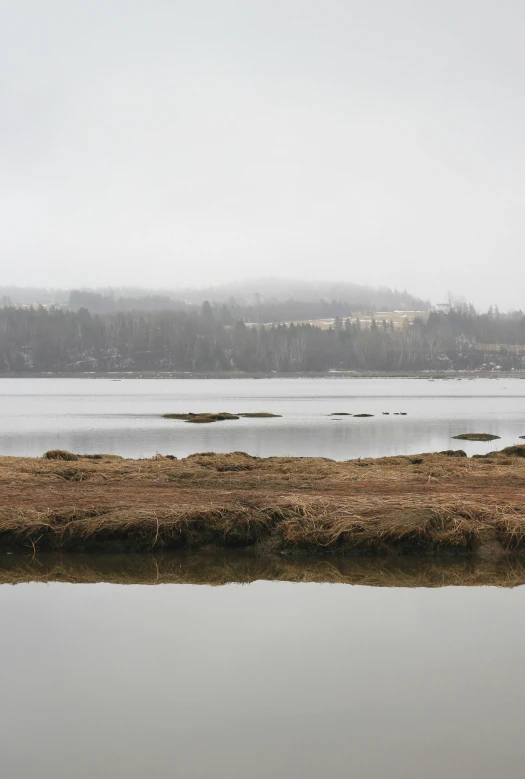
(428, 503)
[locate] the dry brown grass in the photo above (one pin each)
(426, 503)
(59, 454)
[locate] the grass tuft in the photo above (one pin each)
(59, 454)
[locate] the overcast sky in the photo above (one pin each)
(167, 143)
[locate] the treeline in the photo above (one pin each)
(40, 340)
(260, 312)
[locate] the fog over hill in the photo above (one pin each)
(278, 290)
(243, 294)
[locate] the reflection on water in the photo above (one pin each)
(268, 680)
(125, 417)
(227, 566)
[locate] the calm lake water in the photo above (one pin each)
(269, 680)
(124, 417)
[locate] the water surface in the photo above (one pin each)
(125, 417)
(267, 680)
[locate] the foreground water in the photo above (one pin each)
(269, 680)
(125, 417)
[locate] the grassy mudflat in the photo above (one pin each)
(424, 503)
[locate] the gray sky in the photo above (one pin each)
(167, 143)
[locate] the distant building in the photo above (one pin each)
(510, 348)
(397, 319)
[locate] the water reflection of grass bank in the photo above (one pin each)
(225, 567)
(431, 503)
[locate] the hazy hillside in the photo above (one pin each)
(272, 290)
(27, 296)
(267, 299)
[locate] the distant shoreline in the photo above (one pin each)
(121, 375)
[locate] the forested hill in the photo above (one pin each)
(287, 310)
(263, 300)
(359, 297)
(276, 302)
(41, 340)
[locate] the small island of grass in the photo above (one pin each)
(204, 418)
(476, 437)
(207, 418)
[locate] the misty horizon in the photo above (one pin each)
(186, 145)
(251, 292)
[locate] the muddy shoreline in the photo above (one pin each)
(429, 504)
